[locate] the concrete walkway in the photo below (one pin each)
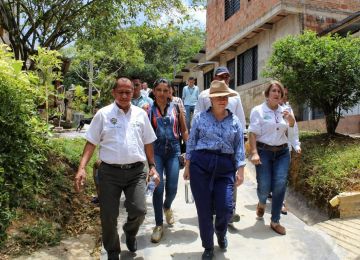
(248, 239)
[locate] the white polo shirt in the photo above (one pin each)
(121, 137)
(234, 105)
(268, 125)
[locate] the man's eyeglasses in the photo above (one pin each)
(121, 93)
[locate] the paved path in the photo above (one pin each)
(249, 239)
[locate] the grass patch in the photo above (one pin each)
(329, 165)
(55, 210)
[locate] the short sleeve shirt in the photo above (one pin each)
(268, 125)
(121, 136)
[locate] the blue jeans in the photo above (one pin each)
(189, 112)
(271, 176)
(167, 165)
(212, 178)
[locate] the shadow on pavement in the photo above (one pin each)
(189, 221)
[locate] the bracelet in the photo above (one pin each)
(151, 165)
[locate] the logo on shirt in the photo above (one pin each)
(113, 120)
(267, 117)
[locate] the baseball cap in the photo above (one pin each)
(221, 70)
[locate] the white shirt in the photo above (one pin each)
(121, 136)
(293, 132)
(234, 105)
(145, 92)
(268, 125)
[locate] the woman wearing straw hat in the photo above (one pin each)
(215, 161)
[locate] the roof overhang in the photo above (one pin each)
(350, 25)
(189, 66)
(265, 22)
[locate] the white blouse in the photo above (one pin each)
(268, 125)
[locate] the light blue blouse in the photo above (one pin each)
(226, 136)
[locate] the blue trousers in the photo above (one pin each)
(271, 176)
(167, 165)
(189, 112)
(212, 177)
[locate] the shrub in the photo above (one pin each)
(22, 147)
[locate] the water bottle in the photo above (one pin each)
(150, 186)
(188, 194)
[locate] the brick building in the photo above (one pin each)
(240, 34)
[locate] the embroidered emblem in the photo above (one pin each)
(113, 120)
(267, 117)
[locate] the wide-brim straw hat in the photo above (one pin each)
(220, 89)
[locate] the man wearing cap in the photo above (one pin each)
(190, 95)
(214, 152)
(234, 105)
(125, 136)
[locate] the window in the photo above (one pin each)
(247, 66)
(208, 77)
(231, 67)
(231, 6)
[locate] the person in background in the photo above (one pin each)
(234, 105)
(215, 161)
(190, 96)
(269, 150)
(176, 100)
(125, 138)
(145, 91)
(138, 99)
(168, 121)
(293, 136)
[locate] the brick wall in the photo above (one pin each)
(347, 125)
(318, 14)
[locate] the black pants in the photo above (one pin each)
(112, 182)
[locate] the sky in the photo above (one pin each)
(198, 16)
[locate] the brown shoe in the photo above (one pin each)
(278, 228)
(260, 210)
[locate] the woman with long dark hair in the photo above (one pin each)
(168, 122)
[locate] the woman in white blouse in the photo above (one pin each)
(269, 123)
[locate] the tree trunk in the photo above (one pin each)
(91, 78)
(332, 121)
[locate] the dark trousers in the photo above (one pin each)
(112, 182)
(212, 179)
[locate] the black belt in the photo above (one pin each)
(273, 148)
(125, 166)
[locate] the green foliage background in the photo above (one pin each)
(323, 72)
(23, 147)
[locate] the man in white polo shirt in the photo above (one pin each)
(125, 136)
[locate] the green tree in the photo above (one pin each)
(54, 24)
(48, 65)
(96, 60)
(323, 72)
(166, 49)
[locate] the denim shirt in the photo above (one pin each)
(190, 95)
(166, 128)
(141, 101)
(225, 136)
